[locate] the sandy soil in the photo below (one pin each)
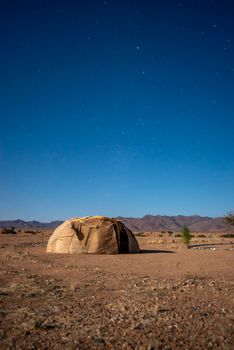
(166, 297)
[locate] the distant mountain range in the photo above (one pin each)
(20, 224)
(146, 223)
(195, 223)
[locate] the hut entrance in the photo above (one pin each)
(123, 242)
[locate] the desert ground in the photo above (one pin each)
(166, 297)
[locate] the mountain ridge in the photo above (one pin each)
(148, 222)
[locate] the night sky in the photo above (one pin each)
(116, 108)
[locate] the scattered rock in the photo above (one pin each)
(98, 341)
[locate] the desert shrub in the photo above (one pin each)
(228, 235)
(30, 231)
(178, 235)
(140, 234)
(163, 231)
(9, 231)
(170, 232)
(160, 235)
(229, 218)
(186, 235)
(201, 236)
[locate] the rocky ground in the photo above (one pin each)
(159, 299)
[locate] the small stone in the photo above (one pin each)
(2, 334)
(37, 324)
(98, 340)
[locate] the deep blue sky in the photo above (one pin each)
(116, 108)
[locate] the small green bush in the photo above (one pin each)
(186, 235)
